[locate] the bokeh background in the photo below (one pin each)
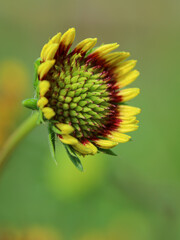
(134, 196)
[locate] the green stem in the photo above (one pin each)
(16, 137)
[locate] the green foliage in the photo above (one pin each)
(36, 81)
(30, 103)
(52, 131)
(73, 157)
(52, 143)
(56, 130)
(107, 151)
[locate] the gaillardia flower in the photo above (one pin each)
(81, 93)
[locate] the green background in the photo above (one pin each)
(135, 195)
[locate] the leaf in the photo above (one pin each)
(36, 80)
(73, 157)
(107, 151)
(51, 137)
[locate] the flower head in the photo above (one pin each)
(80, 93)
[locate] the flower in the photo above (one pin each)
(81, 92)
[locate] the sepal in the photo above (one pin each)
(30, 103)
(73, 157)
(40, 118)
(107, 151)
(91, 50)
(52, 142)
(56, 130)
(36, 80)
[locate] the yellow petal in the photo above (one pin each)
(128, 78)
(127, 120)
(51, 51)
(105, 144)
(128, 93)
(92, 147)
(45, 67)
(44, 87)
(48, 112)
(81, 148)
(119, 137)
(43, 50)
(42, 102)
(125, 67)
(86, 45)
(56, 38)
(116, 57)
(68, 139)
(105, 49)
(127, 111)
(67, 38)
(127, 128)
(65, 128)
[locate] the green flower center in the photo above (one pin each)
(79, 95)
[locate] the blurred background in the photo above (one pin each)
(134, 196)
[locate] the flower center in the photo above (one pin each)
(80, 95)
